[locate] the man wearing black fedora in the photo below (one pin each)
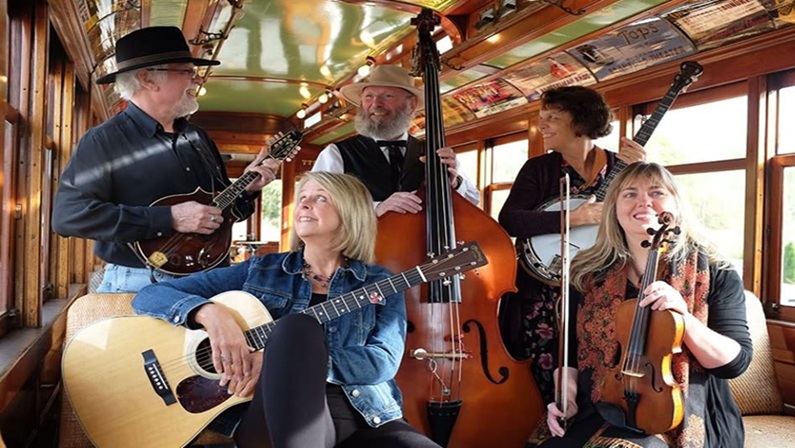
(144, 153)
(384, 156)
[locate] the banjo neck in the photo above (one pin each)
(689, 72)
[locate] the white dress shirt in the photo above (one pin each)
(330, 160)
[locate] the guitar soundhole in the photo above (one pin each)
(204, 356)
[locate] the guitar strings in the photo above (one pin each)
(341, 305)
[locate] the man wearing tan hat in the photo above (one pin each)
(144, 153)
(383, 155)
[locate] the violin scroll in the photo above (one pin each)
(664, 235)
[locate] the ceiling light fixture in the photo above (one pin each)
(324, 97)
(304, 91)
(301, 114)
(365, 69)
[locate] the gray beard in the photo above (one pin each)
(186, 106)
(388, 130)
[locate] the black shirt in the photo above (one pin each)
(121, 167)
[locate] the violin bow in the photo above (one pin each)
(562, 393)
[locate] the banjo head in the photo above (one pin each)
(540, 255)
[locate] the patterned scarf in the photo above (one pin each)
(599, 350)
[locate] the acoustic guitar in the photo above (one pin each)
(138, 381)
(540, 255)
(186, 253)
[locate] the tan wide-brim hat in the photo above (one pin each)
(384, 76)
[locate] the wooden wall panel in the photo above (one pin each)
(782, 341)
(61, 259)
(35, 169)
(22, 38)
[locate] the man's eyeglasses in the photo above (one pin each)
(192, 72)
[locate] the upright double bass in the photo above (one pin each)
(460, 386)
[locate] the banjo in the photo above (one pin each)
(540, 255)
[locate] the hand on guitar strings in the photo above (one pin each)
(193, 217)
(630, 152)
(237, 363)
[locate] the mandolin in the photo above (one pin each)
(186, 253)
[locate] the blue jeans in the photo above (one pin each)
(118, 278)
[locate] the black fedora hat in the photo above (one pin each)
(151, 46)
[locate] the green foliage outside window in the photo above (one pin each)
(789, 263)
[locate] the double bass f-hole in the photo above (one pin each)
(640, 393)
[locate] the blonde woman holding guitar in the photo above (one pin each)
(314, 385)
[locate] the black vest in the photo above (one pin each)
(362, 158)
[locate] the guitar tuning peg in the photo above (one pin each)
(645, 244)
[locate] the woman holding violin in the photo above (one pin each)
(697, 287)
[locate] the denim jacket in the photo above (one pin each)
(365, 346)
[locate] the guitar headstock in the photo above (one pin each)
(689, 72)
(461, 259)
(285, 146)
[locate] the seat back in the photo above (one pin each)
(756, 390)
(83, 311)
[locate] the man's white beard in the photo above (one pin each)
(387, 130)
(188, 105)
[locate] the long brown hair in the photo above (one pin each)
(611, 244)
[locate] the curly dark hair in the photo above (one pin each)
(590, 114)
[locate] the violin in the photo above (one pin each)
(640, 393)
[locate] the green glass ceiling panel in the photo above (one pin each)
(461, 79)
(167, 13)
(334, 135)
(321, 42)
(436, 5)
(277, 98)
(590, 23)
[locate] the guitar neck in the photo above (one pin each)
(338, 306)
(641, 137)
(232, 192)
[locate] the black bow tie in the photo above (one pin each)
(383, 143)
